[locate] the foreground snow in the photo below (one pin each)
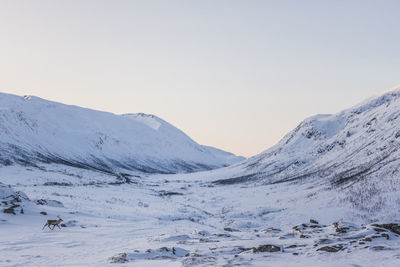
(174, 220)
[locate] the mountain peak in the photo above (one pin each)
(395, 89)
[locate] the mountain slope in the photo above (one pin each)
(354, 152)
(34, 130)
(342, 146)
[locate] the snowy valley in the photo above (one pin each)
(133, 190)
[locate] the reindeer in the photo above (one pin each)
(54, 223)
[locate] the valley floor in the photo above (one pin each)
(184, 220)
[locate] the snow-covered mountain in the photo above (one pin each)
(344, 147)
(34, 130)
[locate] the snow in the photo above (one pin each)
(149, 120)
(341, 170)
(215, 222)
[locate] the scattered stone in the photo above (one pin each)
(151, 254)
(228, 229)
(335, 248)
(53, 203)
(43, 213)
(203, 233)
(393, 227)
(223, 235)
(385, 236)
(271, 230)
(380, 230)
(341, 230)
(57, 184)
(168, 193)
(119, 258)
(244, 249)
(314, 221)
(9, 210)
(380, 248)
(41, 202)
(180, 252)
(267, 248)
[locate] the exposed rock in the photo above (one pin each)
(228, 229)
(53, 203)
(13, 201)
(385, 236)
(314, 221)
(380, 248)
(335, 248)
(393, 227)
(267, 248)
(150, 254)
(223, 235)
(341, 229)
(57, 184)
(9, 210)
(119, 258)
(169, 193)
(203, 233)
(43, 213)
(41, 202)
(271, 230)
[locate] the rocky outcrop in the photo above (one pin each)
(12, 202)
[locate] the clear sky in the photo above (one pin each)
(236, 75)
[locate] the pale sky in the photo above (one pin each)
(237, 75)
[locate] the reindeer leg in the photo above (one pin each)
(54, 226)
(44, 226)
(48, 225)
(58, 226)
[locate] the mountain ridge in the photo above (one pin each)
(35, 130)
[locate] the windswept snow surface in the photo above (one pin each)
(35, 130)
(179, 220)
